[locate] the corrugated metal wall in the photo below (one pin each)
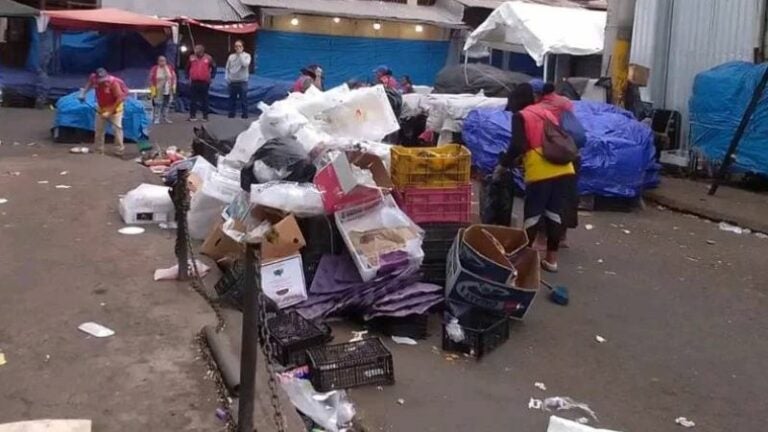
(700, 34)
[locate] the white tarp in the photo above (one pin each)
(540, 30)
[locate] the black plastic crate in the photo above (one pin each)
(438, 238)
(414, 326)
(291, 335)
(353, 364)
(484, 331)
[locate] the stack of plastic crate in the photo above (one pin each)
(433, 187)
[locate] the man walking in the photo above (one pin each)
(237, 75)
(111, 91)
(201, 70)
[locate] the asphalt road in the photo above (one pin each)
(680, 303)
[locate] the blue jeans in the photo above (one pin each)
(238, 90)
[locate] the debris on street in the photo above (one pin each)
(61, 186)
(131, 230)
(557, 424)
(600, 339)
(3, 200)
(3, 360)
(404, 340)
(96, 330)
(541, 386)
(724, 226)
(684, 422)
(560, 403)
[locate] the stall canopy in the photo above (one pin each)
(11, 9)
(233, 28)
(540, 30)
(103, 19)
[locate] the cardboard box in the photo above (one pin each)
(283, 281)
(283, 240)
(516, 299)
(336, 181)
(219, 245)
(486, 250)
(639, 75)
(147, 204)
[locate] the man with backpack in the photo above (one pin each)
(111, 91)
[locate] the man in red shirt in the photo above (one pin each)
(201, 70)
(111, 91)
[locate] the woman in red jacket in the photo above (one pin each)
(162, 87)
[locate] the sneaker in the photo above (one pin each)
(548, 266)
(157, 121)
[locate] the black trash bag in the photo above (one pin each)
(323, 238)
(472, 78)
(497, 200)
(278, 160)
(217, 137)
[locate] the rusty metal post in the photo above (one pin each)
(250, 340)
(180, 197)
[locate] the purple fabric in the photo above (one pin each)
(414, 309)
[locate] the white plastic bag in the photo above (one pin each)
(332, 411)
(281, 120)
(247, 143)
(365, 114)
(301, 199)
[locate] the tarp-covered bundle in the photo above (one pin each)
(540, 30)
(474, 78)
(720, 97)
(70, 112)
(617, 160)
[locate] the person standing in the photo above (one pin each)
(310, 76)
(546, 183)
(237, 74)
(384, 77)
(201, 70)
(162, 80)
(111, 91)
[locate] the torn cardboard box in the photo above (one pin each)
(219, 245)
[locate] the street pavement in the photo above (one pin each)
(679, 302)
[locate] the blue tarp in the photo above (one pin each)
(617, 160)
(282, 54)
(259, 90)
(70, 112)
(720, 97)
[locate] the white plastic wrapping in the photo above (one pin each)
(365, 114)
(247, 143)
(281, 120)
(332, 411)
(557, 424)
(301, 199)
(147, 204)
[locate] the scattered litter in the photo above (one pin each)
(61, 186)
(589, 227)
(172, 273)
(96, 330)
(79, 150)
(168, 225)
(48, 425)
(582, 420)
(13, 173)
(401, 401)
(332, 411)
(131, 230)
(684, 422)
(535, 404)
(541, 386)
(724, 226)
(31, 144)
(711, 242)
(16, 143)
(600, 339)
(222, 414)
(64, 173)
(600, 261)
(47, 358)
(379, 388)
(357, 336)
(454, 331)
(403, 340)
(610, 273)
(691, 259)
(557, 424)
(747, 231)
(626, 231)
(42, 182)
(559, 403)
(3, 200)
(761, 236)
(661, 207)
(2, 359)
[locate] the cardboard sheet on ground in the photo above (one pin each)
(540, 30)
(47, 426)
(557, 424)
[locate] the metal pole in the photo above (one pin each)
(180, 197)
(728, 159)
(250, 342)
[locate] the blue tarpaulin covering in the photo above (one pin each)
(71, 112)
(616, 161)
(260, 89)
(282, 54)
(720, 97)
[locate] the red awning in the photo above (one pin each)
(236, 28)
(103, 19)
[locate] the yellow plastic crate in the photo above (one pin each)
(443, 166)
